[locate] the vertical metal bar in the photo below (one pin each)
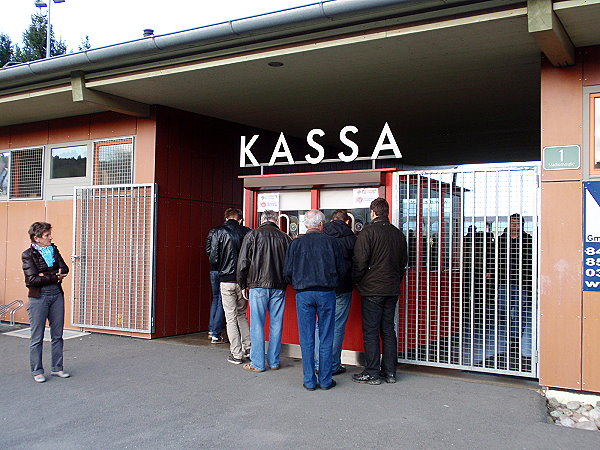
(133, 226)
(74, 260)
(484, 270)
(472, 275)
(104, 198)
(496, 268)
(521, 268)
(461, 292)
(508, 271)
(450, 264)
(419, 234)
(439, 264)
(534, 276)
(428, 269)
(407, 276)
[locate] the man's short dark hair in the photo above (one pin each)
(516, 216)
(340, 214)
(37, 229)
(233, 213)
(380, 207)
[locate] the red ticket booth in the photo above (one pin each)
(292, 195)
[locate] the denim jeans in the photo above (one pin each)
(309, 305)
(378, 322)
(50, 305)
(261, 301)
(216, 321)
(519, 329)
(342, 309)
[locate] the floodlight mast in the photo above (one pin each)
(42, 4)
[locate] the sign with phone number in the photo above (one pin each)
(591, 236)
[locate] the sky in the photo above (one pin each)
(108, 22)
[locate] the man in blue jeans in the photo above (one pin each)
(216, 320)
(260, 276)
(314, 266)
(339, 228)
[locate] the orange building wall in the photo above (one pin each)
(569, 318)
(16, 216)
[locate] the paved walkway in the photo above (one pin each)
(129, 393)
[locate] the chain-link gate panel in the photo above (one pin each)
(113, 260)
(470, 295)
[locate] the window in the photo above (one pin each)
(26, 173)
(4, 164)
(68, 162)
(113, 161)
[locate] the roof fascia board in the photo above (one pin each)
(108, 79)
(296, 24)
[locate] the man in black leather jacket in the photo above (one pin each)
(379, 265)
(260, 276)
(225, 246)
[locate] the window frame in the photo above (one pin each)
(594, 102)
(42, 175)
(108, 141)
(5, 197)
(62, 188)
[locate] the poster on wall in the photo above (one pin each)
(362, 197)
(267, 201)
(591, 236)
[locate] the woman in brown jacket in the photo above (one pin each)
(44, 270)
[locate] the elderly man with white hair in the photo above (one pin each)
(314, 266)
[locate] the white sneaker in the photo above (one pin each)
(60, 374)
(39, 378)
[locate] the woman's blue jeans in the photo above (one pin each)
(216, 321)
(50, 305)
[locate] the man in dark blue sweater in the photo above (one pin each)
(314, 266)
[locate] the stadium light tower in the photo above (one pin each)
(42, 4)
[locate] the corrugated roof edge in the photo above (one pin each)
(301, 19)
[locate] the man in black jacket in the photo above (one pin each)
(260, 276)
(224, 251)
(314, 266)
(379, 264)
(339, 228)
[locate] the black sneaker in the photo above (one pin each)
(365, 378)
(308, 388)
(387, 377)
(340, 371)
(233, 360)
(332, 385)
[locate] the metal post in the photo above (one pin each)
(48, 30)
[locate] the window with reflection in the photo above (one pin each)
(4, 164)
(596, 131)
(68, 162)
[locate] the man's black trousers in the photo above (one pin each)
(378, 321)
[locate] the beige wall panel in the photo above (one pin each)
(4, 138)
(3, 239)
(29, 135)
(591, 66)
(591, 339)
(145, 150)
(69, 130)
(20, 216)
(560, 285)
(60, 214)
(107, 125)
(561, 112)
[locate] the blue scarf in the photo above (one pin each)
(47, 253)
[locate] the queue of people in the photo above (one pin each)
(321, 265)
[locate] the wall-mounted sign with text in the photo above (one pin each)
(591, 236)
(362, 197)
(282, 153)
(561, 158)
(267, 201)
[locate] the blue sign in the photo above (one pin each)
(591, 236)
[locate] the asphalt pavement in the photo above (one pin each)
(133, 393)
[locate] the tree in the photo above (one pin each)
(6, 49)
(85, 44)
(34, 41)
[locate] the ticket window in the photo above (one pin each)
(292, 208)
(332, 199)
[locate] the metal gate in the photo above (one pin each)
(469, 299)
(113, 257)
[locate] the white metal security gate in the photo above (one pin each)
(113, 257)
(470, 296)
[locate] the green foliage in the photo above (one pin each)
(85, 44)
(34, 41)
(6, 49)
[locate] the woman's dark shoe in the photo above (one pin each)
(387, 377)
